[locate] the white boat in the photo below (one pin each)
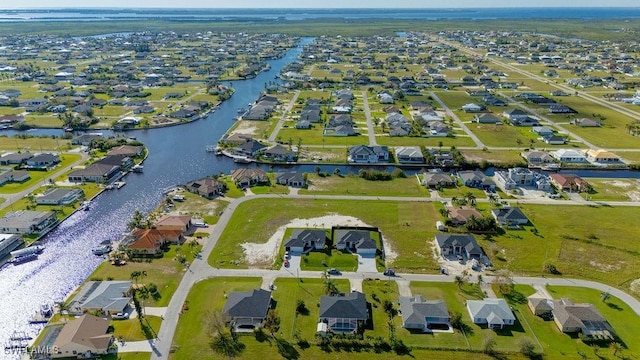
(119, 184)
(36, 249)
(178, 198)
(23, 259)
(137, 168)
(101, 250)
(46, 310)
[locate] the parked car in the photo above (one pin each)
(389, 272)
(333, 271)
(286, 254)
(120, 316)
(286, 263)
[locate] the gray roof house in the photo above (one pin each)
(368, 154)
(409, 155)
(343, 314)
(27, 222)
(355, 240)
(495, 313)
(487, 118)
(278, 152)
(540, 306)
(290, 178)
(476, 179)
(305, 240)
(421, 314)
(96, 172)
(437, 179)
(59, 196)
(107, 297)
(510, 216)
(247, 309)
(15, 158)
(458, 244)
(43, 161)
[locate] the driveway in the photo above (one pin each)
(367, 264)
(294, 262)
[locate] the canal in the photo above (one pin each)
(176, 155)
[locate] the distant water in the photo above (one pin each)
(306, 14)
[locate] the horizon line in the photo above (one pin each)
(322, 8)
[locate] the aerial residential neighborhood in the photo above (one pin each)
(317, 184)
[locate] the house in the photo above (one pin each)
(476, 179)
(601, 157)
(343, 314)
(569, 183)
(540, 306)
(420, 314)
(581, 318)
(554, 139)
(524, 121)
(43, 161)
(487, 118)
(83, 337)
(513, 114)
(291, 178)
(367, 154)
(126, 150)
(150, 242)
(561, 109)
(278, 152)
(245, 177)
(473, 108)
(104, 297)
(569, 156)
(358, 241)
(542, 130)
(305, 240)
(495, 313)
(28, 222)
(458, 244)
(247, 309)
(59, 196)
(207, 187)
(180, 223)
(96, 172)
(509, 216)
(437, 179)
(517, 177)
(409, 155)
(15, 158)
(385, 98)
(249, 148)
(16, 176)
(460, 215)
(586, 122)
(537, 158)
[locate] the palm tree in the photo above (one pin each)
(459, 280)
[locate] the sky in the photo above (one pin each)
(313, 3)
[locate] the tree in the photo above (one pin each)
(527, 347)
(138, 221)
(605, 295)
(489, 344)
(504, 282)
(223, 341)
(445, 212)
(480, 280)
(330, 287)
(459, 280)
(272, 322)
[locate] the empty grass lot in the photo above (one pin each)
(606, 251)
(614, 189)
(406, 227)
(353, 185)
(32, 144)
(321, 260)
(130, 330)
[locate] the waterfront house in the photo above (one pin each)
(96, 172)
(516, 177)
(420, 314)
(494, 313)
(126, 150)
(343, 314)
(249, 148)
(537, 158)
(291, 178)
(84, 337)
(602, 157)
(437, 179)
(247, 309)
(409, 155)
(180, 223)
(569, 156)
(279, 153)
(569, 182)
(8, 243)
(28, 222)
(103, 297)
(207, 187)
(246, 177)
(59, 196)
(305, 240)
(151, 242)
(362, 154)
(458, 244)
(476, 179)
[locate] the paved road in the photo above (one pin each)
(456, 119)
(287, 110)
(200, 270)
(367, 115)
(11, 198)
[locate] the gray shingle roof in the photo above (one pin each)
(253, 303)
(351, 306)
(415, 309)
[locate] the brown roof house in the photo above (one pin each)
(460, 215)
(245, 177)
(569, 182)
(84, 337)
(581, 318)
(174, 222)
(149, 242)
(127, 150)
(207, 187)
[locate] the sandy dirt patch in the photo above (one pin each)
(635, 286)
(264, 254)
(245, 127)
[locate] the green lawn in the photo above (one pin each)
(494, 156)
(130, 329)
(351, 184)
(39, 176)
(613, 189)
(377, 292)
(165, 272)
(33, 144)
(503, 135)
(406, 227)
(320, 261)
(458, 141)
(460, 192)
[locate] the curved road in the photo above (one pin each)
(201, 270)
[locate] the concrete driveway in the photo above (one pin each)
(367, 264)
